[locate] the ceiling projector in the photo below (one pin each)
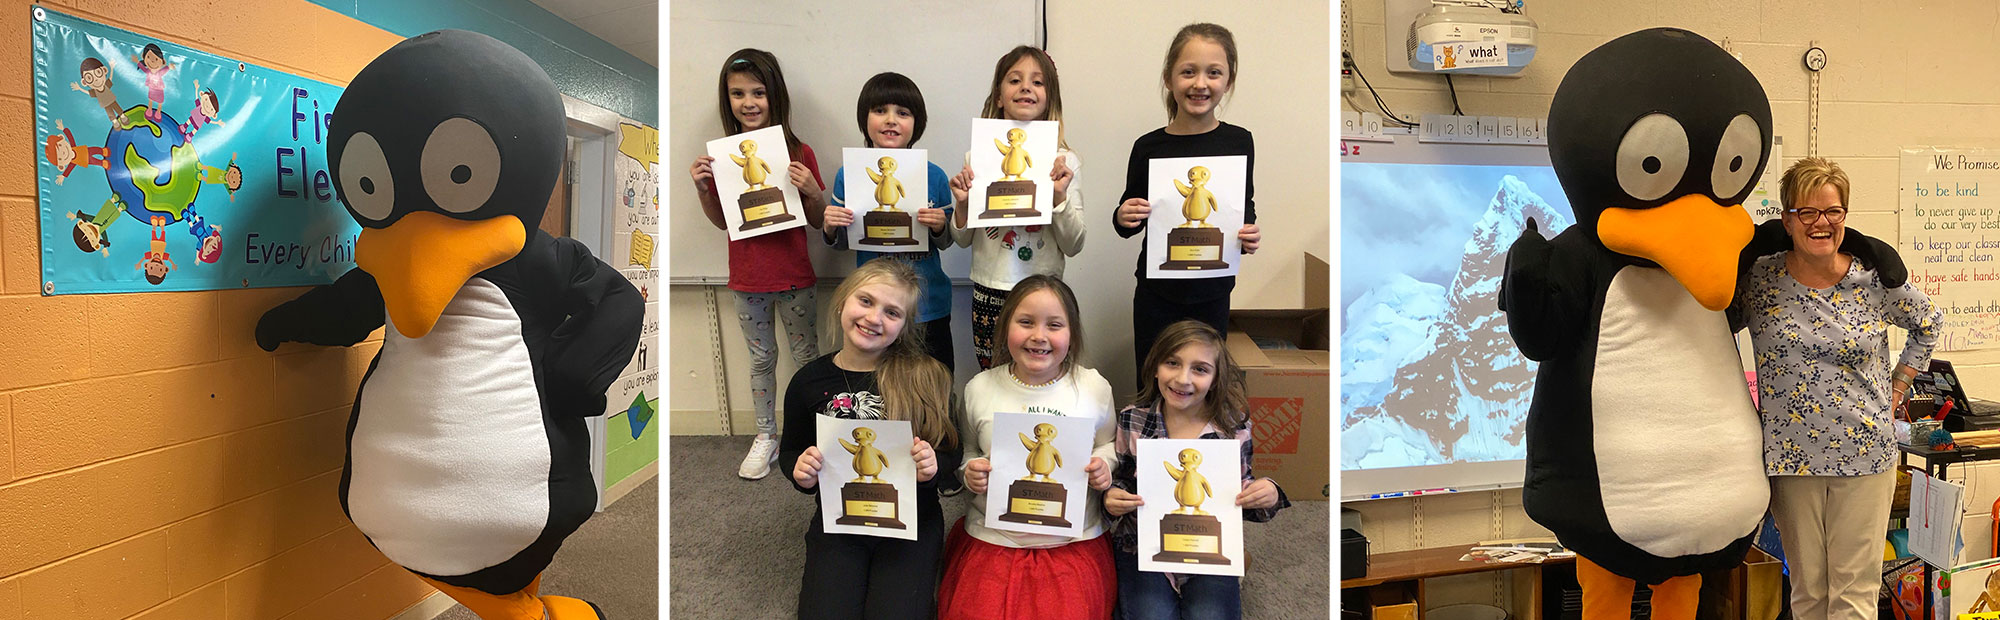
(1471, 37)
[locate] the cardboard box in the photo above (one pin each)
(1290, 392)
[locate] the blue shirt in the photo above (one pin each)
(1823, 366)
(935, 301)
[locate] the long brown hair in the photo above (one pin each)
(1226, 405)
(914, 386)
(1027, 286)
(1212, 32)
(763, 67)
(1054, 87)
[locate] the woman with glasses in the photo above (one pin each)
(1827, 390)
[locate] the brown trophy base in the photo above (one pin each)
(1194, 249)
(1191, 539)
(890, 228)
(762, 208)
(1036, 503)
(872, 504)
(1009, 200)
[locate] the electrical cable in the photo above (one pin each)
(1454, 96)
(1379, 103)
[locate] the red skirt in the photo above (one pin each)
(984, 581)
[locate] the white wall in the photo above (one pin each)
(1899, 74)
(1109, 56)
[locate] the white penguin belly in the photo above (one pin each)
(450, 469)
(1679, 456)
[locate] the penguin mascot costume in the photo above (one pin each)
(1644, 450)
(468, 461)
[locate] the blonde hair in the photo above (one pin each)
(1028, 286)
(1808, 174)
(1212, 32)
(914, 387)
(1227, 404)
(1048, 65)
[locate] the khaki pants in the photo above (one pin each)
(1833, 529)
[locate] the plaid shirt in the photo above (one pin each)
(1136, 423)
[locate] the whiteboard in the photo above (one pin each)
(1950, 238)
(827, 52)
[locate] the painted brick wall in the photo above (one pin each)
(182, 473)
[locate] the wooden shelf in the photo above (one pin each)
(1428, 563)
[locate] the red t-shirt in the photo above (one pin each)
(775, 262)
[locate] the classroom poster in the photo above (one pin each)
(1950, 221)
(1197, 207)
(754, 183)
(1190, 523)
(867, 480)
(635, 199)
(163, 168)
(884, 188)
(1038, 485)
(1010, 178)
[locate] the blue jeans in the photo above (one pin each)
(1148, 596)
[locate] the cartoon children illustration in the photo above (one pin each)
(206, 108)
(154, 62)
(95, 80)
(156, 263)
(92, 231)
(230, 178)
(62, 151)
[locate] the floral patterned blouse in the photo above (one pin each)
(1823, 366)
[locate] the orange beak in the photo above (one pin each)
(1696, 240)
(422, 260)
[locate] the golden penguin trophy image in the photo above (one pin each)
(763, 204)
(867, 500)
(1012, 196)
(1038, 502)
(1189, 534)
(1195, 245)
(884, 224)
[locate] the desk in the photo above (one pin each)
(1405, 571)
(1751, 591)
(1936, 462)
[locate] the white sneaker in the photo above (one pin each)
(758, 463)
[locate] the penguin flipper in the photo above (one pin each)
(1875, 253)
(597, 340)
(1545, 297)
(338, 314)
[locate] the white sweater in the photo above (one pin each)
(1080, 394)
(1003, 256)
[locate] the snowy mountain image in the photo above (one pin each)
(1428, 372)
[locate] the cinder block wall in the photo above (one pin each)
(180, 473)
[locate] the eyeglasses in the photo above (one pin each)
(1834, 215)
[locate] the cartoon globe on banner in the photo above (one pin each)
(151, 167)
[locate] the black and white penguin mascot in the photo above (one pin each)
(1644, 450)
(468, 461)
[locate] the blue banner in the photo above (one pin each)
(163, 168)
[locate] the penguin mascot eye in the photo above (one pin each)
(461, 165)
(1737, 159)
(1652, 156)
(366, 184)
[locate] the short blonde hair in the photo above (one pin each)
(1808, 174)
